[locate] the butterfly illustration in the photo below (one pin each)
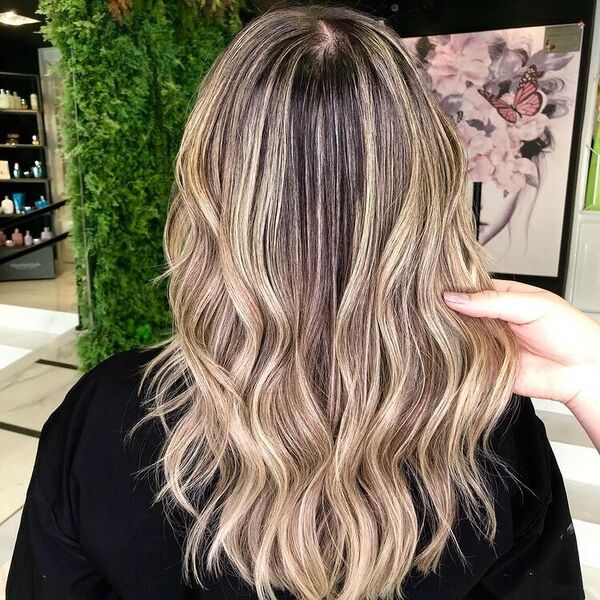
(527, 101)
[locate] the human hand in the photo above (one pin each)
(559, 345)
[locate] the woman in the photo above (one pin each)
(321, 423)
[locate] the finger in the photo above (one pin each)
(514, 307)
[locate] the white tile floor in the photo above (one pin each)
(29, 396)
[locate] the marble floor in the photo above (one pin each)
(26, 400)
(38, 366)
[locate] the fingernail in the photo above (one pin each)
(456, 298)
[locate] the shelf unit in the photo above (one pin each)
(16, 220)
(20, 180)
(18, 111)
(9, 254)
(26, 122)
(21, 146)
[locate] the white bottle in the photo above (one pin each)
(4, 100)
(15, 101)
(8, 206)
(46, 234)
(33, 101)
(28, 239)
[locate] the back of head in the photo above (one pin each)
(333, 409)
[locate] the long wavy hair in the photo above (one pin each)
(325, 413)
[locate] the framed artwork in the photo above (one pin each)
(512, 93)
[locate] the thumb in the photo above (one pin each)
(513, 307)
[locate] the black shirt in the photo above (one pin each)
(89, 529)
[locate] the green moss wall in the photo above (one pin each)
(128, 85)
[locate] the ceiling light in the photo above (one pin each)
(10, 17)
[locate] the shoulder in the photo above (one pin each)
(91, 423)
(532, 478)
(85, 506)
(521, 441)
(105, 388)
(118, 374)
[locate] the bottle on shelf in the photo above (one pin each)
(33, 101)
(28, 240)
(4, 100)
(17, 237)
(16, 171)
(8, 206)
(34, 140)
(16, 101)
(41, 202)
(18, 199)
(37, 170)
(46, 234)
(23, 104)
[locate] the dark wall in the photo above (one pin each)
(18, 45)
(17, 57)
(412, 17)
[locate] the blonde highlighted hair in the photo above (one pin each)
(325, 413)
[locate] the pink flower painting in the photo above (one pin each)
(463, 61)
(512, 102)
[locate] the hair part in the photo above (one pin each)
(326, 416)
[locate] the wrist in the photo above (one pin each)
(590, 388)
